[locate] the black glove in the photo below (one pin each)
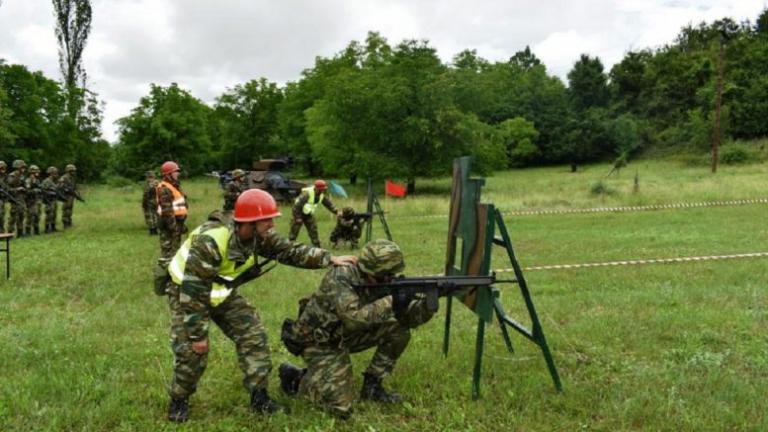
(401, 299)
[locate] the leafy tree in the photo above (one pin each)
(525, 59)
(168, 124)
(587, 84)
(244, 123)
(519, 137)
(73, 25)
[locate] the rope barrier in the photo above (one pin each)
(609, 209)
(640, 262)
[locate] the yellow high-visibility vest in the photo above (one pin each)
(310, 207)
(227, 269)
(179, 202)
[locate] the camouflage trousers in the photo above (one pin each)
(170, 238)
(308, 220)
(150, 217)
(66, 211)
(33, 216)
(18, 211)
(349, 234)
(328, 381)
(240, 323)
(50, 213)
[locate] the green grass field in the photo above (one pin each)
(656, 347)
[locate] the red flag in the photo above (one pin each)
(394, 189)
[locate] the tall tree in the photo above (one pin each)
(73, 25)
(587, 83)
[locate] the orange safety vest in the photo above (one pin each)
(179, 201)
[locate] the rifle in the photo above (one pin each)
(8, 197)
(72, 193)
(357, 217)
(433, 287)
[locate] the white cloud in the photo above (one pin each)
(208, 46)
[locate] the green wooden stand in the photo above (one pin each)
(471, 238)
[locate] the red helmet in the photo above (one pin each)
(321, 185)
(255, 205)
(169, 167)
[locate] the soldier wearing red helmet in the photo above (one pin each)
(304, 207)
(171, 211)
(218, 257)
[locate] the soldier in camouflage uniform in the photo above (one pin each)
(16, 188)
(348, 228)
(171, 211)
(149, 202)
(4, 187)
(233, 189)
(340, 319)
(34, 193)
(68, 187)
(304, 210)
(50, 198)
(219, 256)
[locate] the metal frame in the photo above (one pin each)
(7, 237)
(374, 208)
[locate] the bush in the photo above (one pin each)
(734, 154)
(600, 188)
(119, 181)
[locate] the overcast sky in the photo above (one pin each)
(208, 46)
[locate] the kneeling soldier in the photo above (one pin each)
(348, 228)
(340, 319)
(219, 256)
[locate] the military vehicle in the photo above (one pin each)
(267, 175)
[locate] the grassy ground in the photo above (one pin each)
(659, 347)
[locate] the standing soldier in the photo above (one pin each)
(149, 202)
(68, 188)
(340, 319)
(50, 198)
(34, 191)
(171, 211)
(3, 194)
(304, 210)
(233, 189)
(16, 188)
(219, 256)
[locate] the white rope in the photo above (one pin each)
(641, 262)
(610, 209)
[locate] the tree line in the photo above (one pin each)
(383, 110)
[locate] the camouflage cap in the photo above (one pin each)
(381, 257)
(34, 169)
(18, 163)
(52, 170)
(3, 164)
(347, 212)
(237, 173)
(70, 168)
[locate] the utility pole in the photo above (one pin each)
(718, 103)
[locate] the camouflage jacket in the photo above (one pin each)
(231, 192)
(49, 189)
(204, 260)
(302, 199)
(15, 182)
(67, 184)
(337, 308)
(149, 197)
(34, 192)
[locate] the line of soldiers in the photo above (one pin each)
(200, 279)
(25, 192)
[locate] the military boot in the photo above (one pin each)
(262, 404)
(373, 391)
(178, 410)
(290, 378)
